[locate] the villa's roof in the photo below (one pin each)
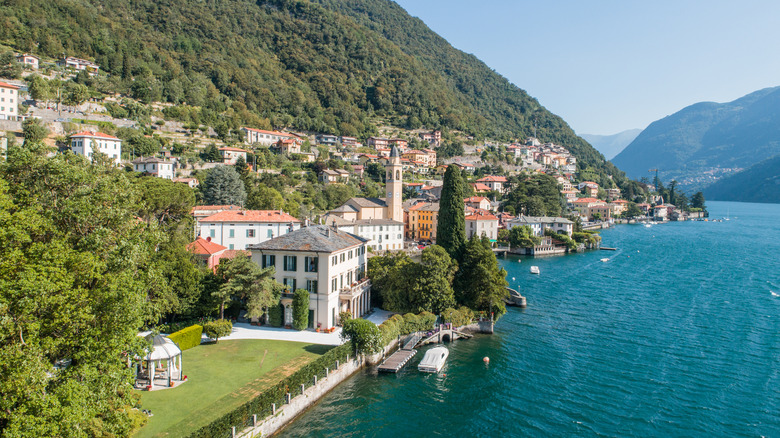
(204, 247)
(369, 202)
(262, 216)
(319, 238)
(92, 134)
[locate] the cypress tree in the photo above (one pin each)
(451, 228)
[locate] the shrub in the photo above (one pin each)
(427, 321)
(364, 335)
(188, 337)
(344, 317)
(389, 330)
(459, 317)
(300, 309)
(217, 329)
(276, 315)
(411, 323)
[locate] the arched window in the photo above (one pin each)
(397, 174)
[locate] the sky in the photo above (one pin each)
(609, 66)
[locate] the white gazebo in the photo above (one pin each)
(163, 350)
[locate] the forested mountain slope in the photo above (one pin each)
(325, 66)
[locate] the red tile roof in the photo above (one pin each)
(587, 200)
(262, 216)
(262, 131)
(6, 85)
(481, 216)
(230, 149)
(204, 247)
(94, 134)
(480, 187)
(492, 178)
(476, 199)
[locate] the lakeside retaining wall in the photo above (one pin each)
(288, 412)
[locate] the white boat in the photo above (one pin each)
(433, 360)
(534, 269)
(648, 225)
(604, 260)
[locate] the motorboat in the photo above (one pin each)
(433, 360)
(605, 260)
(648, 225)
(534, 269)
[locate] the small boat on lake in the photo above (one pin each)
(605, 260)
(534, 269)
(433, 360)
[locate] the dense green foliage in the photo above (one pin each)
(759, 183)
(458, 317)
(300, 309)
(363, 334)
(481, 283)
(707, 135)
(187, 338)
(326, 66)
(223, 186)
(218, 329)
(249, 283)
(261, 404)
(276, 315)
(523, 237)
(76, 273)
(536, 194)
(398, 325)
(451, 227)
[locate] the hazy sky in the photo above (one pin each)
(608, 66)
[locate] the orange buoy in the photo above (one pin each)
(486, 359)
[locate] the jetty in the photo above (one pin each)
(606, 248)
(397, 360)
(514, 298)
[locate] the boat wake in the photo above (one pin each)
(774, 294)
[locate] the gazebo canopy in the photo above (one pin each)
(162, 349)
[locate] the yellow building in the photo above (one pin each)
(422, 219)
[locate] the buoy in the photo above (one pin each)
(513, 278)
(486, 359)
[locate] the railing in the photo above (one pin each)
(356, 288)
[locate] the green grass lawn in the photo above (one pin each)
(220, 377)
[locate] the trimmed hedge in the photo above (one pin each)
(276, 315)
(261, 405)
(187, 338)
(300, 309)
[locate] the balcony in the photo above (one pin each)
(355, 290)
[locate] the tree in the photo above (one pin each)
(481, 284)
(9, 68)
(632, 210)
(241, 166)
(211, 154)
(431, 281)
(697, 200)
(364, 335)
(39, 89)
(218, 329)
(523, 237)
(451, 230)
(300, 309)
(223, 186)
(34, 131)
(246, 280)
(389, 281)
(263, 197)
(75, 270)
(77, 94)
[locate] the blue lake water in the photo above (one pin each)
(676, 335)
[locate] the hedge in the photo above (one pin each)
(276, 315)
(261, 405)
(187, 338)
(300, 309)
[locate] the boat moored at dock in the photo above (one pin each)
(434, 360)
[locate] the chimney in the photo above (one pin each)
(208, 239)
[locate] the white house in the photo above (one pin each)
(9, 101)
(494, 182)
(237, 229)
(86, 143)
(29, 60)
(481, 222)
(382, 234)
(231, 155)
(328, 262)
(79, 64)
(266, 138)
(538, 224)
(154, 166)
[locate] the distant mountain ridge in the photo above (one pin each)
(707, 141)
(611, 145)
(760, 183)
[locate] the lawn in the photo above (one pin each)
(220, 377)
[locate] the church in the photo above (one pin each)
(381, 220)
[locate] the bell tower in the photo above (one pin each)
(394, 185)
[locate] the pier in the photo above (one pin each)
(397, 360)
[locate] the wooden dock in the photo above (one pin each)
(396, 361)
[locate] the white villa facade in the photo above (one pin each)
(9, 101)
(86, 143)
(239, 229)
(265, 138)
(538, 224)
(155, 167)
(327, 262)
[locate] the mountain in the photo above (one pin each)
(339, 67)
(707, 141)
(611, 145)
(760, 183)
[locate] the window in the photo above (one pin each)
(289, 283)
(311, 286)
(250, 233)
(269, 260)
(232, 233)
(212, 233)
(343, 257)
(290, 263)
(310, 264)
(350, 255)
(230, 246)
(334, 260)
(270, 233)
(334, 284)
